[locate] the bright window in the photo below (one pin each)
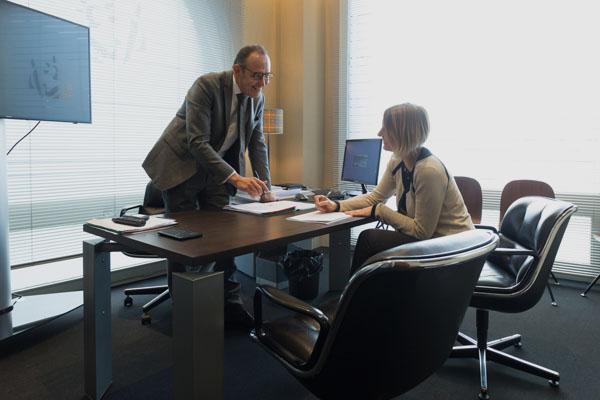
(512, 90)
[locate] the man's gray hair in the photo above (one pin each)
(245, 51)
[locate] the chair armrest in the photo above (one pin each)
(124, 210)
(291, 303)
(287, 301)
(508, 247)
(506, 251)
(488, 227)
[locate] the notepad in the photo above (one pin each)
(320, 217)
(273, 207)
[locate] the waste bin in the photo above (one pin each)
(302, 267)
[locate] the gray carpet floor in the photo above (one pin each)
(47, 363)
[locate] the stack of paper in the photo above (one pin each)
(152, 223)
(281, 193)
(277, 191)
(273, 207)
(320, 217)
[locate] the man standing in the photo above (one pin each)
(198, 162)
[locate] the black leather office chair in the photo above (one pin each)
(393, 326)
(513, 280)
(516, 189)
(152, 204)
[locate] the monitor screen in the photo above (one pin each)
(361, 161)
(44, 66)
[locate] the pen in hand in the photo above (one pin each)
(258, 177)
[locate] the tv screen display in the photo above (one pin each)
(44, 66)
(361, 161)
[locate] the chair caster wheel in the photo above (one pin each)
(146, 319)
(128, 301)
(582, 294)
(554, 304)
(483, 395)
(553, 383)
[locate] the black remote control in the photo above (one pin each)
(130, 220)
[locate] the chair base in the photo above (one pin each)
(590, 286)
(557, 283)
(492, 351)
(163, 295)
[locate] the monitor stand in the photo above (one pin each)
(20, 314)
(353, 193)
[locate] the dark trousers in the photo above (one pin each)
(373, 241)
(200, 193)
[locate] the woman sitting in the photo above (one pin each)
(429, 203)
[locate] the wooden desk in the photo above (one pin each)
(226, 234)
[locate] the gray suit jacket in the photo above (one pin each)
(191, 141)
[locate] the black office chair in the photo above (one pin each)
(521, 188)
(152, 204)
(513, 280)
(393, 326)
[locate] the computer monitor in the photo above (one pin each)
(361, 162)
(44, 66)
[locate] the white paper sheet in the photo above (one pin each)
(263, 208)
(320, 217)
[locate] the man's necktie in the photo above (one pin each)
(232, 156)
(243, 104)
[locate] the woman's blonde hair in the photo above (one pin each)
(408, 126)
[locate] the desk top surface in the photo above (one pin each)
(225, 234)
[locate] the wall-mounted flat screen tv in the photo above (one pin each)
(44, 66)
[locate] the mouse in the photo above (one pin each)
(301, 197)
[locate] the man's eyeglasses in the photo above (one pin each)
(259, 76)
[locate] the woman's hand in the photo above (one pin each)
(361, 212)
(323, 204)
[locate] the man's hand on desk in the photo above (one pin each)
(249, 184)
(267, 197)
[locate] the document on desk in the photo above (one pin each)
(277, 191)
(320, 217)
(281, 193)
(151, 223)
(256, 208)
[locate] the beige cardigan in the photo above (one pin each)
(434, 208)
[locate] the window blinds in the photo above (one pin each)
(144, 57)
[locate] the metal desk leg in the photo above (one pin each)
(97, 340)
(590, 286)
(198, 336)
(339, 259)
